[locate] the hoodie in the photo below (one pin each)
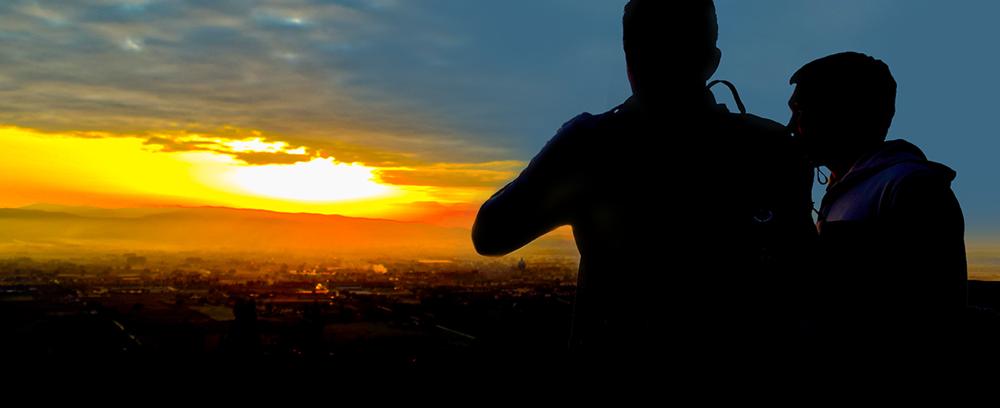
(892, 242)
(870, 188)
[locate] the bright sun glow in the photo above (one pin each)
(107, 170)
(259, 145)
(321, 179)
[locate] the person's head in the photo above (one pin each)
(670, 46)
(842, 105)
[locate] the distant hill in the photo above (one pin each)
(54, 227)
(97, 212)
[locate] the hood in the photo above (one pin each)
(889, 154)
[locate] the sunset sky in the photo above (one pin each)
(416, 109)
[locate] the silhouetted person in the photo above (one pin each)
(691, 221)
(891, 230)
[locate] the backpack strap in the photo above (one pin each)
(736, 94)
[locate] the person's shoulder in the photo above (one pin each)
(569, 140)
(909, 165)
(589, 122)
(574, 128)
(762, 130)
(578, 122)
(917, 184)
(919, 175)
(581, 129)
(766, 140)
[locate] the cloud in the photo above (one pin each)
(264, 158)
(486, 175)
(132, 44)
(255, 150)
(440, 80)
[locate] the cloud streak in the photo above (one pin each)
(345, 72)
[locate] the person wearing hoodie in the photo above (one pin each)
(891, 229)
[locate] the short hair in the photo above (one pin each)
(853, 84)
(653, 26)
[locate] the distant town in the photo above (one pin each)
(264, 310)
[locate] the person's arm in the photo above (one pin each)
(792, 237)
(794, 266)
(541, 199)
(928, 242)
(799, 226)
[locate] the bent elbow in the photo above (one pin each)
(485, 241)
(490, 237)
(485, 250)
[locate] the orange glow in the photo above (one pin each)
(107, 170)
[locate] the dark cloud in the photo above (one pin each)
(437, 79)
(264, 158)
(169, 145)
(216, 144)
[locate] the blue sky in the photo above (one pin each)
(470, 81)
